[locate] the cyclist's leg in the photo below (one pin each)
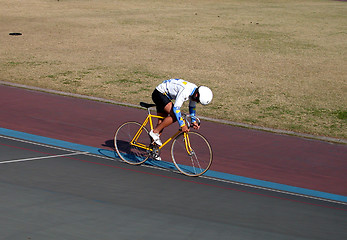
(164, 115)
(164, 109)
(169, 118)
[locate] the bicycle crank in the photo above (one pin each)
(155, 151)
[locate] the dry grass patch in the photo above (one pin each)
(278, 64)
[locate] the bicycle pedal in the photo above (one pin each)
(155, 145)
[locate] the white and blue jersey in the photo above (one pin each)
(180, 91)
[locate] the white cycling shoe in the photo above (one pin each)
(155, 137)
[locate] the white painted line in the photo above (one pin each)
(273, 190)
(36, 143)
(39, 158)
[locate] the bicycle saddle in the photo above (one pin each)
(146, 105)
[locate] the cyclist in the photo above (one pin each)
(180, 91)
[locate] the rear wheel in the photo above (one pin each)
(132, 152)
(191, 153)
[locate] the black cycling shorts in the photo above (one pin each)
(160, 100)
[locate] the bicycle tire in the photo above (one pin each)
(200, 158)
(126, 151)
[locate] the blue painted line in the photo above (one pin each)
(56, 142)
(210, 173)
(276, 186)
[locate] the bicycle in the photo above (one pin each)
(191, 153)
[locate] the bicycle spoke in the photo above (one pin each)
(129, 152)
(195, 160)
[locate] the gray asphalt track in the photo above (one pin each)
(50, 193)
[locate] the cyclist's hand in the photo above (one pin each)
(185, 128)
(195, 125)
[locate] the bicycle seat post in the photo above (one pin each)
(149, 111)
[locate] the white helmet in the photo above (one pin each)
(205, 95)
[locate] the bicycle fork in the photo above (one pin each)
(189, 149)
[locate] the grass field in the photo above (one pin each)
(271, 63)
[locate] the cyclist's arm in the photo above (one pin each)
(192, 106)
(177, 111)
(182, 96)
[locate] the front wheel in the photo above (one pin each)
(191, 153)
(130, 149)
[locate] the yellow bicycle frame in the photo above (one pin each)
(135, 142)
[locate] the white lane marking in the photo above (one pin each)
(274, 190)
(36, 143)
(39, 158)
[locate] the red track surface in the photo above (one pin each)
(255, 154)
